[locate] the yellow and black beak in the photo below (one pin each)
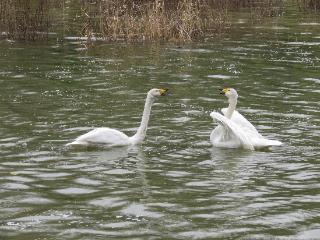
(223, 91)
(163, 91)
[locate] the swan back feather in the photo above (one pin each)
(242, 121)
(106, 136)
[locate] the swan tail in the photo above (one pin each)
(75, 143)
(274, 143)
(70, 144)
(263, 143)
(232, 132)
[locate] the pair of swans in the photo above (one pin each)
(233, 131)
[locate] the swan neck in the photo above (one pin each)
(142, 130)
(231, 107)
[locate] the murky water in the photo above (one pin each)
(175, 185)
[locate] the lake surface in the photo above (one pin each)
(175, 185)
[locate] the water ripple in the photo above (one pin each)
(175, 184)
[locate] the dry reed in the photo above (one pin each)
(164, 20)
(24, 19)
(156, 20)
(313, 5)
(126, 20)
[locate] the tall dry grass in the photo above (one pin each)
(25, 19)
(177, 20)
(313, 5)
(258, 8)
(126, 20)
(164, 20)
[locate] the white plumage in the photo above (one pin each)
(103, 136)
(112, 137)
(234, 130)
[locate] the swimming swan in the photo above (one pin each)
(234, 130)
(113, 137)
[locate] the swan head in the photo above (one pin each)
(230, 93)
(157, 92)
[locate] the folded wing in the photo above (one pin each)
(102, 136)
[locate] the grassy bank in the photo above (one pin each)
(130, 20)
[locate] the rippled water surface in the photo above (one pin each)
(175, 185)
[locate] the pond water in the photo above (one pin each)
(175, 185)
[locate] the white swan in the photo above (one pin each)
(112, 137)
(234, 130)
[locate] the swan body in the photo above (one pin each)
(112, 137)
(103, 136)
(234, 130)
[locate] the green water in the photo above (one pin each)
(175, 185)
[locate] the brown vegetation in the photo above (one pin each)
(24, 19)
(309, 4)
(130, 20)
(181, 20)
(174, 20)
(258, 8)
